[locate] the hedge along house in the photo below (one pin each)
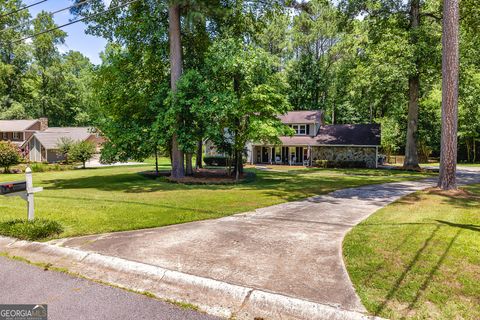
(42, 146)
(314, 141)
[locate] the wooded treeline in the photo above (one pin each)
(36, 79)
(238, 64)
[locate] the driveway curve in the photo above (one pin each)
(292, 249)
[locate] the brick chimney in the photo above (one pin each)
(43, 124)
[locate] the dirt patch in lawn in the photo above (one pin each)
(202, 176)
(458, 193)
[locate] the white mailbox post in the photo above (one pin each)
(23, 189)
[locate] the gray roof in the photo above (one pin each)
(340, 134)
(349, 134)
(299, 117)
(51, 137)
(16, 125)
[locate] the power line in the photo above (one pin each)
(75, 21)
(51, 14)
(22, 8)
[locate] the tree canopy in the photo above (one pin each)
(241, 64)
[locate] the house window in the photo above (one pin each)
(4, 136)
(300, 129)
(16, 136)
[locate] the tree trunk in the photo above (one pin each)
(238, 160)
(156, 162)
(411, 150)
(199, 160)
(178, 169)
(467, 143)
(474, 151)
(188, 162)
(450, 66)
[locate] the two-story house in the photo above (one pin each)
(19, 131)
(313, 140)
(39, 143)
(305, 124)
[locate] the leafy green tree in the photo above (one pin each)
(314, 36)
(76, 90)
(47, 65)
(418, 43)
(9, 155)
(82, 151)
(14, 59)
(246, 96)
(390, 137)
(64, 146)
(130, 93)
(190, 97)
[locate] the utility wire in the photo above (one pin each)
(51, 14)
(75, 21)
(22, 8)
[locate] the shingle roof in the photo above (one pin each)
(343, 134)
(51, 137)
(299, 117)
(349, 134)
(16, 125)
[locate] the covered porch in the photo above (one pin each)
(281, 155)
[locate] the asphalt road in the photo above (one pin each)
(69, 297)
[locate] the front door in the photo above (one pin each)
(285, 155)
(265, 155)
(298, 154)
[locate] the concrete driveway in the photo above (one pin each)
(292, 250)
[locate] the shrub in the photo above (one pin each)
(340, 164)
(82, 151)
(45, 167)
(215, 161)
(64, 146)
(9, 155)
(36, 229)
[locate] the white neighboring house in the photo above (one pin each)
(42, 145)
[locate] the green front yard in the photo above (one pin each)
(118, 198)
(419, 258)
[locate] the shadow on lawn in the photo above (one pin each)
(397, 285)
(417, 260)
(282, 184)
(126, 182)
(287, 186)
(156, 205)
(473, 227)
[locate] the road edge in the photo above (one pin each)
(211, 296)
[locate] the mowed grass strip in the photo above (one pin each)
(419, 258)
(119, 198)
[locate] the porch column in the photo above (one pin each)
(271, 155)
(309, 155)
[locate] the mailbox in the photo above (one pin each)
(12, 187)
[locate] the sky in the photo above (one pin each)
(76, 40)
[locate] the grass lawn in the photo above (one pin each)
(118, 198)
(419, 258)
(466, 165)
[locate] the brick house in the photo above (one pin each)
(18, 131)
